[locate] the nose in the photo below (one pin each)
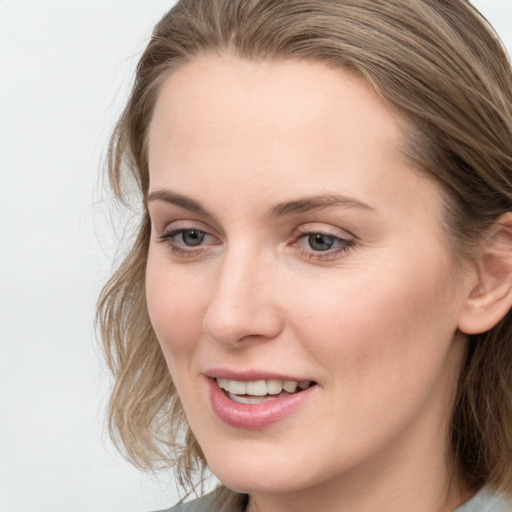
(244, 304)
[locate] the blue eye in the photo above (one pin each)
(321, 242)
(316, 245)
(192, 237)
(187, 242)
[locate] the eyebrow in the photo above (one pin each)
(312, 203)
(296, 206)
(179, 200)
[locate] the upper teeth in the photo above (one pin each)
(261, 387)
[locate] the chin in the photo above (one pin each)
(266, 481)
(259, 471)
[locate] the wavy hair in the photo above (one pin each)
(441, 66)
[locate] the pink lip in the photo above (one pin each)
(250, 375)
(254, 416)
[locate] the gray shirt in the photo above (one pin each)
(484, 501)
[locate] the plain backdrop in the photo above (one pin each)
(65, 69)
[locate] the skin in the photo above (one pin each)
(373, 321)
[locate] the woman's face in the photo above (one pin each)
(294, 245)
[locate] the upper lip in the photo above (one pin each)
(250, 375)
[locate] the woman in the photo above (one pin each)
(316, 307)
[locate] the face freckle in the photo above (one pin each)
(292, 241)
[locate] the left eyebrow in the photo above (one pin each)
(308, 204)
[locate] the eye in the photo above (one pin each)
(191, 237)
(321, 242)
(184, 241)
(320, 245)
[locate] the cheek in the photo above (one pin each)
(385, 323)
(386, 341)
(176, 307)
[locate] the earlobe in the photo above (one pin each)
(491, 298)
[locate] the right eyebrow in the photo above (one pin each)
(179, 200)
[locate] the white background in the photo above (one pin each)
(65, 69)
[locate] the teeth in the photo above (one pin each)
(290, 386)
(256, 388)
(274, 386)
(246, 399)
(260, 388)
(223, 383)
(238, 387)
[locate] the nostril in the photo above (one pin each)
(248, 321)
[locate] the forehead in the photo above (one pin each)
(258, 124)
(269, 96)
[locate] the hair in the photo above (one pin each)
(436, 62)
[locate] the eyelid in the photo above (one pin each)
(325, 229)
(169, 236)
(186, 224)
(346, 242)
(343, 240)
(165, 216)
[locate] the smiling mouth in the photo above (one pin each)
(259, 391)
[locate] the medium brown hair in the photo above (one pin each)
(440, 65)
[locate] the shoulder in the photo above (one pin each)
(202, 504)
(220, 500)
(487, 500)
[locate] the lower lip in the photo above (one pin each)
(255, 416)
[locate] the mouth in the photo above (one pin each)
(259, 391)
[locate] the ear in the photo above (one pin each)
(490, 298)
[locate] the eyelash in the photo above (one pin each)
(168, 238)
(344, 244)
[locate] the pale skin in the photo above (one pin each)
(372, 311)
